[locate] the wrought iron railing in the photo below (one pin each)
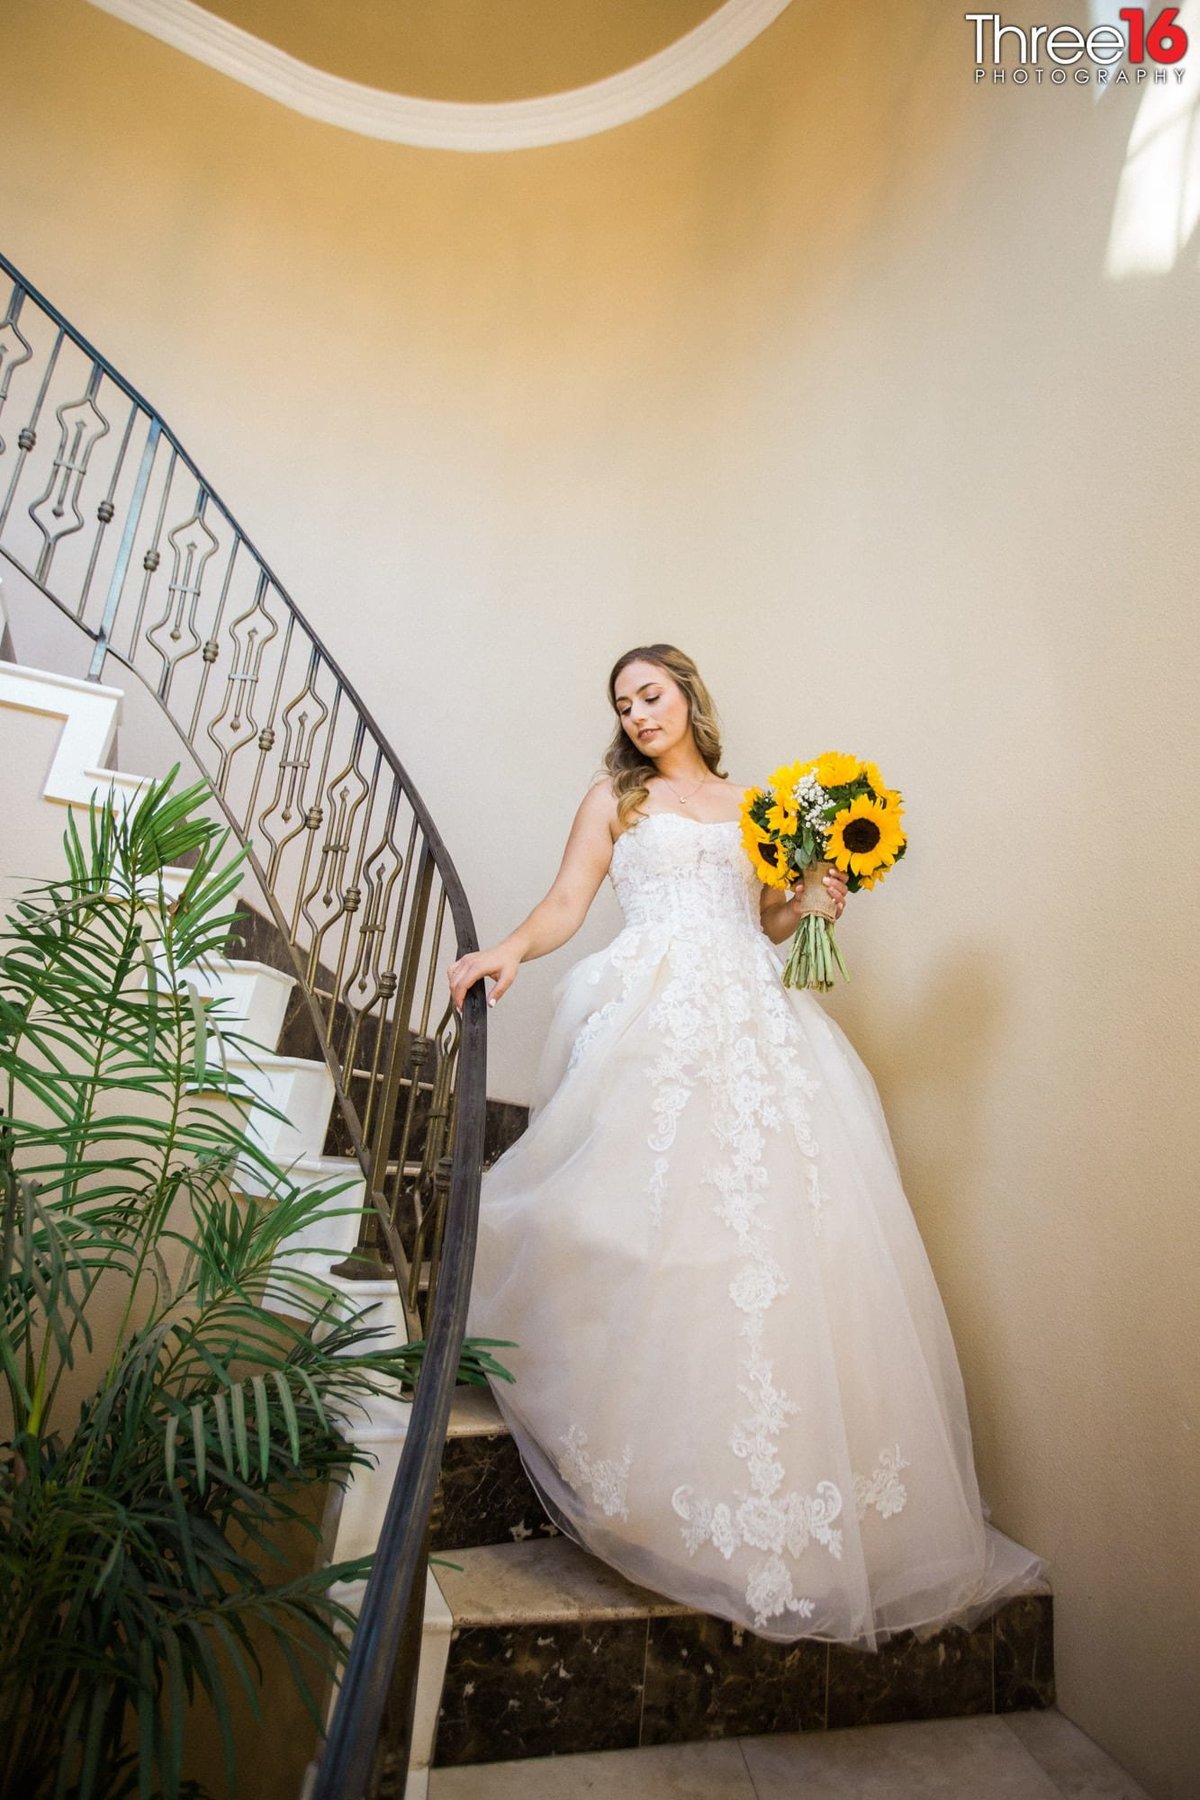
(102, 509)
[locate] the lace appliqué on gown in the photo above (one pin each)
(628, 957)
(711, 1033)
(883, 1489)
(745, 1107)
(607, 1480)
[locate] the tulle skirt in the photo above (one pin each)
(735, 1379)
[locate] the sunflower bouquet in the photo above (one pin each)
(833, 812)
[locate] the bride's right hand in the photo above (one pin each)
(500, 962)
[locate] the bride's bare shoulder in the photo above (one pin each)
(599, 806)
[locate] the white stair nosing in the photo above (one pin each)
(334, 1164)
(90, 715)
(271, 1062)
(475, 1414)
(245, 965)
(69, 684)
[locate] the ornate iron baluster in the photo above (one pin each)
(57, 512)
(15, 348)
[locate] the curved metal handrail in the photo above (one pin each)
(109, 517)
(387, 1610)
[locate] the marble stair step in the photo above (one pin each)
(540, 1582)
(484, 1495)
(552, 1652)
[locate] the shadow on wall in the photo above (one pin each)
(936, 1103)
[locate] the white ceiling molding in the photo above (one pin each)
(447, 124)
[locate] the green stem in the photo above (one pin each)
(813, 955)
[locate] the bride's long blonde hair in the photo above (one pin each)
(625, 763)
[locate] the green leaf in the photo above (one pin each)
(149, 1740)
(100, 1700)
(198, 1446)
(288, 1405)
(237, 1402)
(214, 1686)
(221, 1414)
(262, 1415)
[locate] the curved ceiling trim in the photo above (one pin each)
(446, 124)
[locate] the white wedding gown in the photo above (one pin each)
(735, 1381)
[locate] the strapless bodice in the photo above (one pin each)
(690, 875)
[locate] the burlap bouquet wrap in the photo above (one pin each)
(813, 895)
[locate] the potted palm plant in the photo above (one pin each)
(175, 1384)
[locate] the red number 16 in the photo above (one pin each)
(1166, 41)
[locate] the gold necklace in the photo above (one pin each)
(683, 798)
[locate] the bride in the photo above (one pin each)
(735, 1381)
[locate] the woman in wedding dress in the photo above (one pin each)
(735, 1381)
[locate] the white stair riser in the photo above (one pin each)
(328, 1239)
(435, 1651)
(255, 997)
(302, 1091)
(302, 1131)
(89, 715)
(365, 1500)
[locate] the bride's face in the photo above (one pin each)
(652, 708)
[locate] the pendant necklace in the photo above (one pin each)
(683, 798)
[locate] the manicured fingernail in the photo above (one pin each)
(491, 1003)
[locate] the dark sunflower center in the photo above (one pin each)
(861, 835)
(769, 853)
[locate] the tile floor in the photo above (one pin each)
(1021, 1756)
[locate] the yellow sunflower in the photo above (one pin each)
(864, 838)
(785, 778)
(889, 796)
(750, 799)
(782, 819)
(768, 857)
(836, 769)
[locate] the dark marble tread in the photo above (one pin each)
(505, 1121)
(553, 1652)
(483, 1495)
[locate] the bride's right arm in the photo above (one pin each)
(561, 911)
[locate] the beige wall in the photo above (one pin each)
(818, 372)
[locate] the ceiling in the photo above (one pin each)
(468, 50)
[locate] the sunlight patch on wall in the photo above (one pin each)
(1157, 206)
